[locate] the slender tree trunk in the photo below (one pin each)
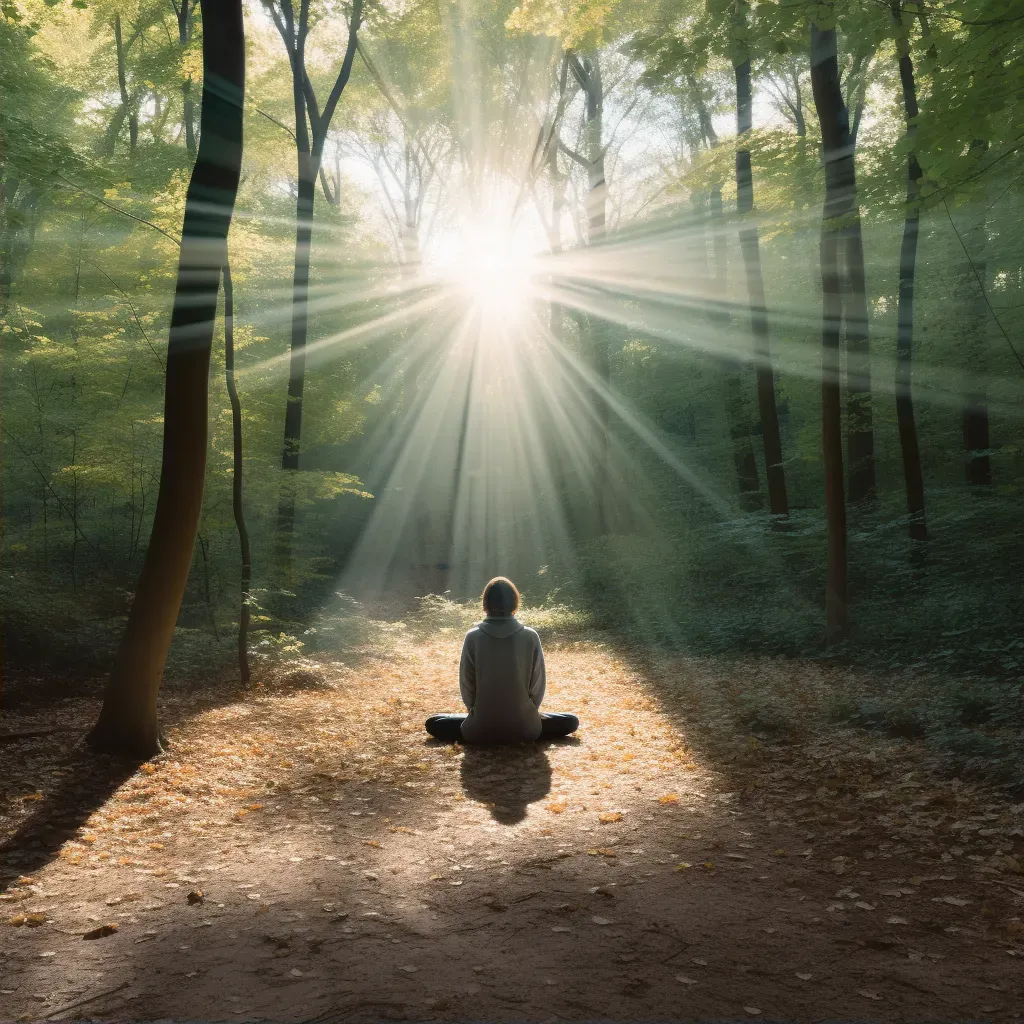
(589, 77)
(127, 106)
(905, 308)
(837, 155)
(750, 247)
(411, 256)
(860, 438)
(188, 114)
(128, 720)
(311, 128)
(972, 275)
(297, 363)
(236, 477)
(737, 407)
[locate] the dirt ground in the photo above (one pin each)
(309, 854)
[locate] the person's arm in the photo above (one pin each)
(467, 675)
(538, 679)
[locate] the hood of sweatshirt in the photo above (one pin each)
(500, 626)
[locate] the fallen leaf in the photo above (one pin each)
(699, 962)
(198, 896)
(409, 969)
(804, 977)
(682, 866)
(556, 806)
(668, 799)
(736, 856)
(754, 1011)
(561, 928)
(955, 901)
(864, 905)
(372, 842)
(868, 993)
(607, 817)
(684, 980)
(600, 920)
(102, 932)
(896, 920)
(295, 972)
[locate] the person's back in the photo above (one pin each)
(502, 679)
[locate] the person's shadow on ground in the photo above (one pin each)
(506, 779)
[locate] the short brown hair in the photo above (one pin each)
(500, 597)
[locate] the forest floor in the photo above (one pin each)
(308, 853)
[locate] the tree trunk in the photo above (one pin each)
(128, 721)
(127, 106)
(750, 247)
(596, 203)
(837, 156)
(737, 408)
(411, 256)
(184, 12)
(905, 307)
(297, 363)
(860, 438)
(300, 314)
(236, 476)
(972, 276)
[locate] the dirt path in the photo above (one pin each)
(310, 855)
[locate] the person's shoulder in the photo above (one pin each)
(473, 632)
(531, 632)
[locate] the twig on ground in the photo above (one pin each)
(87, 999)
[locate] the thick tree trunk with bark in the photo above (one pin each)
(842, 208)
(750, 247)
(128, 721)
(237, 506)
(905, 307)
(837, 155)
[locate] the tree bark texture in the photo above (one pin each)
(841, 208)
(750, 248)
(909, 447)
(838, 159)
(237, 505)
(128, 720)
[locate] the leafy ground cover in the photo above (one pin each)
(717, 841)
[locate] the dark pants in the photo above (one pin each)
(449, 727)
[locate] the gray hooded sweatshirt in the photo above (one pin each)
(501, 677)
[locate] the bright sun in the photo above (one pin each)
(492, 269)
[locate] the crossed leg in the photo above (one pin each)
(449, 727)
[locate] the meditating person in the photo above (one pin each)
(502, 680)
